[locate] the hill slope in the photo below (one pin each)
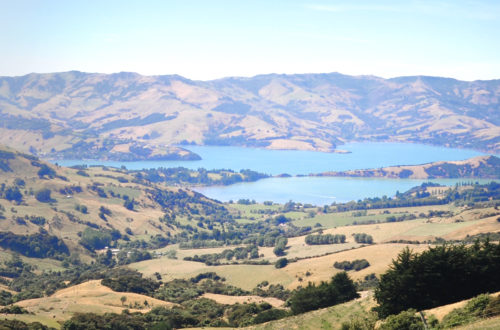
(486, 167)
(129, 116)
(79, 205)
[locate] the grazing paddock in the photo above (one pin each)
(89, 297)
(321, 268)
(380, 232)
(28, 318)
(487, 225)
(243, 276)
(231, 300)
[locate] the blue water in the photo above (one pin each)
(314, 190)
(317, 190)
(274, 162)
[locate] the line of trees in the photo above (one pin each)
(324, 239)
(357, 264)
(438, 276)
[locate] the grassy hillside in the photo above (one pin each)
(89, 297)
(487, 167)
(129, 116)
(68, 203)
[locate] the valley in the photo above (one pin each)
(164, 194)
(113, 224)
(249, 164)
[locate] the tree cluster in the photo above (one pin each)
(39, 245)
(340, 289)
(363, 238)
(131, 283)
(239, 253)
(438, 276)
(357, 264)
(325, 239)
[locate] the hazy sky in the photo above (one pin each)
(211, 39)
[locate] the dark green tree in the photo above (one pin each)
(438, 276)
(340, 289)
(43, 196)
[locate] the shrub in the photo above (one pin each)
(13, 194)
(493, 308)
(46, 171)
(82, 173)
(270, 315)
(129, 204)
(81, 208)
(19, 182)
(14, 309)
(281, 262)
(360, 323)
(279, 249)
(478, 307)
(43, 196)
(405, 320)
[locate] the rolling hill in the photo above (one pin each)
(75, 206)
(128, 116)
(485, 167)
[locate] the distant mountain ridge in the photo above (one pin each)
(65, 115)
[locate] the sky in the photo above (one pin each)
(202, 39)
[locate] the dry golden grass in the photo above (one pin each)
(435, 228)
(170, 268)
(6, 288)
(28, 318)
(380, 232)
(321, 269)
(41, 264)
(488, 225)
(419, 171)
(89, 297)
(231, 300)
(441, 311)
(326, 318)
(297, 248)
(465, 222)
(243, 276)
(248, 276)
(487, 324)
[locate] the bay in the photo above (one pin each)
(318, 190)
(314, 190)
(294, 162)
